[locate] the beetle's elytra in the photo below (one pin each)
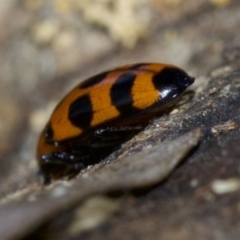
(104, 111)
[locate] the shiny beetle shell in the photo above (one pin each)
(104, 111)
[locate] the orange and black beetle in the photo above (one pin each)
(104, 111)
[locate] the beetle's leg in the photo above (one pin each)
(58, 164)
(118, 129)
(113, 136)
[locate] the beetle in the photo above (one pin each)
(104, 111)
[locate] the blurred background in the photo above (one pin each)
(48, 46)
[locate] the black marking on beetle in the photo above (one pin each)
(121, 92)
(48, 132)
(81, 112)
(138, 65)
(171, 82)
(93, 80)
(100, 77)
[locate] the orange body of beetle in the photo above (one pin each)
(104, 111)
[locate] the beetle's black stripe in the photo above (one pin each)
(171, 82)
(48, 132)
(137, 65)
(100, 77)
(121, 92)
(93, 80)
(81, 112)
